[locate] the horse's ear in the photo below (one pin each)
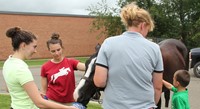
(181, 39)
(98, 46)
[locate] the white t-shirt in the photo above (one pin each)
(16, 74)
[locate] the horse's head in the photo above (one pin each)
(86, 88)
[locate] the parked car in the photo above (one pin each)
(195, 61)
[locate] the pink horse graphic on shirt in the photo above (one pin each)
(63, 71)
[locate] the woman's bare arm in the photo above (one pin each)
(157, 83)
(100, 76)
(34, 94)
(44, 85)
(81, 66)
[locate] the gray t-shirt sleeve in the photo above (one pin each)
(102, 57)
(159, 63)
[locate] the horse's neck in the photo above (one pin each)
(90, 66)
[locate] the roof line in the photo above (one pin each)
(44, 14)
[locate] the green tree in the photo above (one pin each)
(107, 19)
(173, 19)
(196, 38)
(181, 16)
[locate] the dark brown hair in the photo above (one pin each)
(18, 36)
(54, 40)
(183, 77)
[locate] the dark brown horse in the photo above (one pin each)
(175, 57)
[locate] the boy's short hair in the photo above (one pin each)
(183, 77)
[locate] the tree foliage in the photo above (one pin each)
(106, 19)
(173, 19)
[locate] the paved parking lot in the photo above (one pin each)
(194, 86)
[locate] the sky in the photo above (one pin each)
(77, 7)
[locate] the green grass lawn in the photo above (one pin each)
(5, 103)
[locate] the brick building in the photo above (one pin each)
(74, 31)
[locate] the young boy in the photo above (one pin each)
(180, 98)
